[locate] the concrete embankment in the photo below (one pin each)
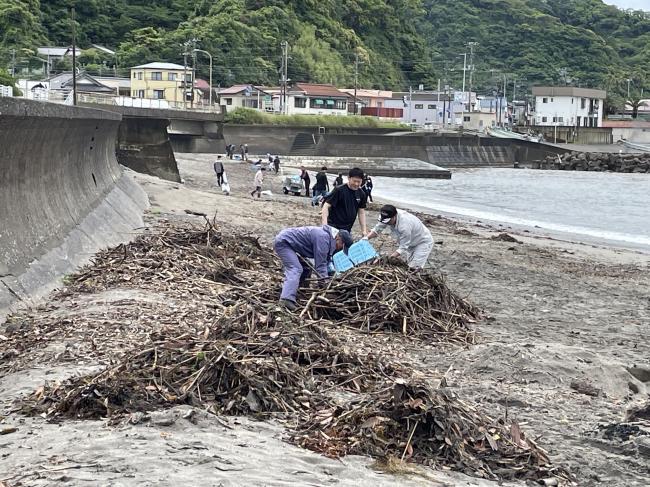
(63, 195)
(446, 150)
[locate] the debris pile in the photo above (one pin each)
(247, 356)
(388, 298)
(430, 426)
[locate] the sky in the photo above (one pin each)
(633, 4)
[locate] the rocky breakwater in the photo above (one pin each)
(596, 161)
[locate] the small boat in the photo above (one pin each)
(508, 134)
(635, 145)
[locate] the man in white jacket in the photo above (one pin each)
(415, 240)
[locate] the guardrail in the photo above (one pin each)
(127, 101)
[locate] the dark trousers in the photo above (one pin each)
(219, 178)
(307, 183)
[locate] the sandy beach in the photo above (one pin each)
(563, 349)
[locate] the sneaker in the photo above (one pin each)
(288, 304)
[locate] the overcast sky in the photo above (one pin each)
(634, 4)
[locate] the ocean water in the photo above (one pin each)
(609, 208)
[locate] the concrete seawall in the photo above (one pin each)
(63, 195)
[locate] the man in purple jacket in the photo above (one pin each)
(294, 244)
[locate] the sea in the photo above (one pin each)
(612, 209)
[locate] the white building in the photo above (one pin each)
(432, 107)
(312, 99)
(568, 106)
(246, 96)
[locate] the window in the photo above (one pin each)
(316, 103)
(228, 101)
(188, 78)
(341, 105)
(431, 107)
(551, 100)
(419, 106)
(140, 94)
(560, 119)
(158, 94)
(135, 75)
(171, 76)
(554, 119)
(300, 102)
(139, 76)
(466, 118)
(156, 76)
(578, 122)
(544, 100)
(571, 101)
(544, 119)
(249, 103)
(583, 103)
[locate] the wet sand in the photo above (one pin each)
(563, 350)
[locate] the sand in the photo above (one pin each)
(561, 351)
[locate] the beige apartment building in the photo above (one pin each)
(161, 81)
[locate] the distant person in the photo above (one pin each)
(322, 185)
(219, 170)
(294, 245)
(276, 164)
(258, 181)
(246, 151)
(242, 151)
(367, 187)
(339, 180)
(415, 240)
(304, 175)
(345, 203)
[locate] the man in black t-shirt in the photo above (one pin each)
(345, 203)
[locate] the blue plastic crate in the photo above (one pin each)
(341, 262)
(361, 251)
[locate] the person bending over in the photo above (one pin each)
(415, 240)
(293, 245)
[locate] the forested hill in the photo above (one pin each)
(398, 42)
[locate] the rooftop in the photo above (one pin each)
(169, 66)
(568, 91)
(313, 89)
(236, 89)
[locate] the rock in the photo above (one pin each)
(584, 387)
(504, 237)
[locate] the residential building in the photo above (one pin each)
(120, 86)
(424, 107)
(312, 99)
(60, 86)
(164, 81)
(245, 96)
(568, 106)
(367, 99)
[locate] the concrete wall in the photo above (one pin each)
(144, 146)
(62, 194)
(279, 139)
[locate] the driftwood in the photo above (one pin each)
(222, 344)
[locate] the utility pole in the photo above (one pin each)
(284, 80)
(193, 73)
(356, 79)
(184, 85)
(462, 116)
(74, 59)
(628, 87)
(471, 45)
(13, 63)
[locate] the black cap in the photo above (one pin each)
(386, 213)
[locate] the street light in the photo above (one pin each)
(628, 87)
(210, 56)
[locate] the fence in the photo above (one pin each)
(127, 101)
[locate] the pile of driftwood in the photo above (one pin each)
(247, 356)
(395, 299)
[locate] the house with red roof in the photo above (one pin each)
(311, 99)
